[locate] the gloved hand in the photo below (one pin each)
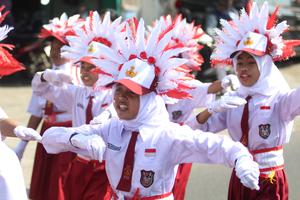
(104, 116)
(225, 103)
(56, 77)
(27, 133)
(20, 148)
(248, 172)
(231, 81)
(94, 144)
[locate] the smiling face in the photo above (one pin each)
(87, 76)
(247, 70)
(126, 102)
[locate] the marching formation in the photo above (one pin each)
(118, 109)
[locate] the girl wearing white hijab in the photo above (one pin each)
(266, 120)
(142, 148)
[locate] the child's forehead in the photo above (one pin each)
(245, 55)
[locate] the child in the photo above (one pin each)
(12, 184)
(188, 35)
(253, 41)
(143, 70)
(85, 102)
(46, 181)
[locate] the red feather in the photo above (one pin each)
(272, 19)
(8, 64)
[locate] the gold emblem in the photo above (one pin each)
(248, 42)
(91, 48)
(131, 73)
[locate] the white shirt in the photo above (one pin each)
(12, 186)
(270, 124)
(36, 107)
(73, 98)
(171, 144)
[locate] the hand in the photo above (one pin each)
(225, 103)
(94, 144)
(56, 77)
(248, 172)
(231, 81)
(27, 133)
(104, 116)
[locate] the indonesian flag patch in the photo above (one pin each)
(150, 152)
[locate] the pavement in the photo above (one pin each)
(208, 182)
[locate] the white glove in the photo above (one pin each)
(27, 133)
(231, 81)
(248, 172)
(225, 103)
(94, 144)
(57, 77)
(20, 148)
(104, 116)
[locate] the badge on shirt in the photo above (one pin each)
(265, 107)
(147, 178)
(150, 152)
(176, 114)
(264, 130)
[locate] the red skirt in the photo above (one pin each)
(275, 189)
(181, 180)
(86, 180)
(48, 170)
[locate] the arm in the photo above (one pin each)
(62, 96)
(7, 127)
(57, 139)
(289, 105)
(215, 87)
(34, 122)
(194, 146)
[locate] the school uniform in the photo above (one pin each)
(271, 111)
(12, 186)
(47, 177)
(94, 183)
(179, 113)
(158, 150)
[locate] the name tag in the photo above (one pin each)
(113, 147)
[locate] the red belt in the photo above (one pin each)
(137, 196)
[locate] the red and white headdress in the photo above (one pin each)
(61, 27)
(254, 31)
(8, 64)
(186, 35)
(81, 46)
(146, 63)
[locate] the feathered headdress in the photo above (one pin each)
(8, 64)
(254, 31)
(146, 63)
(61, 27)
(81, 46)
(186, 35)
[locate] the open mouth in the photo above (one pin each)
(123, 107)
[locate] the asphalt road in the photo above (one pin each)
(206, 181)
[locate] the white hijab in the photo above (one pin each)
(270, 81)
(152, 114)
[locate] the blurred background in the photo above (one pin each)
(28, 16)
